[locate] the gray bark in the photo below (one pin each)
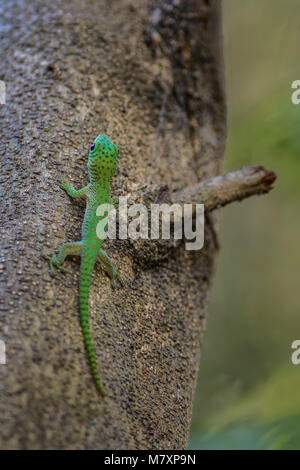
(148, 74)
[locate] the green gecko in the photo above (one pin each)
(102, 165)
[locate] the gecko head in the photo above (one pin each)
(103, 157)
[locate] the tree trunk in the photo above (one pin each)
(148, 74)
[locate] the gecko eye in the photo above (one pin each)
(92, 147)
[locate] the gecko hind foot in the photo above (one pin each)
(54, 264)
(116, 277)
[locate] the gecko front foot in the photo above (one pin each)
(63, 184)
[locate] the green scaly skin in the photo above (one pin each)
(102, 165)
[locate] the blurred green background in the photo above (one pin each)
(248, 394)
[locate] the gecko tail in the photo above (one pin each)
(84, 289)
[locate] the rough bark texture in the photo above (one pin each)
(222, 190)
(148, 74)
